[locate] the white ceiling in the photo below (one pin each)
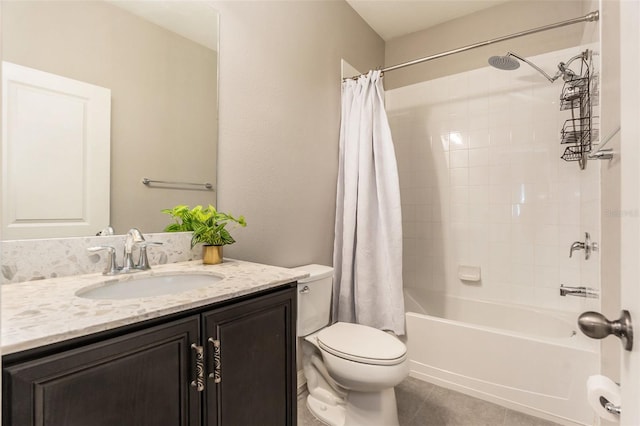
(194, 20)
(394, 18)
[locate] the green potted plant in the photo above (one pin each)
(208, 226)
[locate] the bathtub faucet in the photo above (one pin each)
(591, 293)
(587, 246)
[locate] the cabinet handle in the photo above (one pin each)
(216, 361)
(198, 383)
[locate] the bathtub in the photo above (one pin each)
(522, 358)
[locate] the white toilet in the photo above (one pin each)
(350, 369)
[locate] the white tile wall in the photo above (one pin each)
(482, 183)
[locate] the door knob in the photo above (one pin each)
(597, 326)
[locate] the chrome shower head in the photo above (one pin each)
(506, 62)
(510, 62)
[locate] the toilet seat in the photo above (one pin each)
(360, 343)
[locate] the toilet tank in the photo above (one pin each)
(314, 298)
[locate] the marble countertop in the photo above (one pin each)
(38, 313)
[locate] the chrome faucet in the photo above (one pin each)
(134, 238)
(579, 291)
(112, 266)
(578, 245)
(106, 231)
(587, 246)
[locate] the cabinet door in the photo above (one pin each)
(257, 362)
(140, 379)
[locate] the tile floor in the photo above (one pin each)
(423, 404)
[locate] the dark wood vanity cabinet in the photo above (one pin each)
(148, 377)
(141, 378)
(257, 380)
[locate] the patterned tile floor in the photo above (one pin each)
(423, 404)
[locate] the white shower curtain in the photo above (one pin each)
(367, 253)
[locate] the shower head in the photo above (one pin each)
(506, 62)
(510, 62)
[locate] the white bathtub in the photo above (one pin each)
(527, 359)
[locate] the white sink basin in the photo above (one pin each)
(146, 287)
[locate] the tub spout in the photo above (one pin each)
(591, 293)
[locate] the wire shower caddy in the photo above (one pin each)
(579, 95)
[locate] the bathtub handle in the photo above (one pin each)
(587, 246)
(597, 326)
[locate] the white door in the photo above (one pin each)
(630, 208)
(55, 155)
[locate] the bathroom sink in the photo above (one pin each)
(156, 285)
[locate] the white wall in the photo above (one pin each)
(279, 122)
(482, 184)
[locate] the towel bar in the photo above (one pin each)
(147, 181)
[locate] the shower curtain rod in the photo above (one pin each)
(590, 17)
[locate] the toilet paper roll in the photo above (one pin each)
(601, 386)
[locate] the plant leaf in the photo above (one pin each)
(207, 224)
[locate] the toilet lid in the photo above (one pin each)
(361, 343)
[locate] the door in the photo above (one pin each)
(255, 362)
(630, 209)
(55, 155)
(142, 378)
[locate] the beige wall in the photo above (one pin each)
(280, 120)
(163, 96)
(501, 20)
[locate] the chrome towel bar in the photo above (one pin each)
(148, 182)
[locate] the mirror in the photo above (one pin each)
(159, 60)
